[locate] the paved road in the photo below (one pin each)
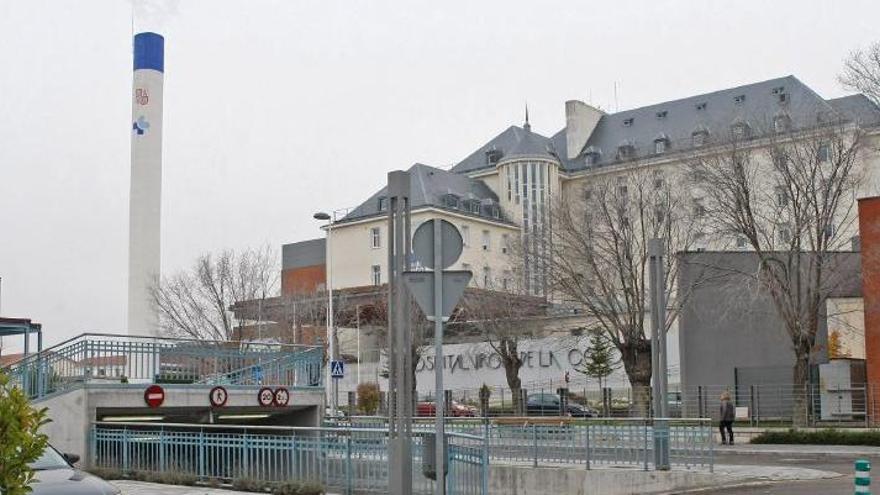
(841, 463)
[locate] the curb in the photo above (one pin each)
(846, 455)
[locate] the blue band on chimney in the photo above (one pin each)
(149, 51)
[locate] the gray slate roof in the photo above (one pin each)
(514, 141)
(758, 105)
(428, 187)
(857, 108)
(304, 253)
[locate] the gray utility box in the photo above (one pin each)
(429, 455)
(842, 390)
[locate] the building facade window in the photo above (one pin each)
(487, 277)
(505, 243)
(781, 123)
(783, 233)
(740, 130)
(465, 235)
(781, 196)
(487, 240)
(824, 152)
(376, 274)
(375, 237)
(660, 146)
(699, 208)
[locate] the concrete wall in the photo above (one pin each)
(71, 413)
(68, 429)
(522, 480)
(730, 322)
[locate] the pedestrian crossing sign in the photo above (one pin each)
(337, 369)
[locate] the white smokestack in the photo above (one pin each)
(146, 181)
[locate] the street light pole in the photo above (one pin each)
(331, 329)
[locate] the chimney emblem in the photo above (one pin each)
(140, 125)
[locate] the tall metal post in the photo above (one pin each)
(439, 395)
(656, 274)
(399, 338)
(331, 330)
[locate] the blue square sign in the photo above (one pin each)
(337, 369)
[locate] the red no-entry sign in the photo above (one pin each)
(154, 396)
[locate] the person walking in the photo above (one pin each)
(728, 414)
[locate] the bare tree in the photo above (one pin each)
(504, 320)
(861, 71)
(196, 303)
(600, 258)
(790, 196)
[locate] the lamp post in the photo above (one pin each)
(331, 330)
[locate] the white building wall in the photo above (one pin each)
(352, 254)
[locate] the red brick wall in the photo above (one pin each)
(869, 234)
(303, 280)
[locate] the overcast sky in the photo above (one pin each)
(276, 109)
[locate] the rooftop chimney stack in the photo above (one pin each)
(580, 121)
(145, 201)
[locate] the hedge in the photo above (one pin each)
(829, 436)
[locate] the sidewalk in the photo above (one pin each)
(129, 487)
(815, 450)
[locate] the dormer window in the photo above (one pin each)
(493, 156)
(781, 123)
(382, 203)
(700, 137)
(451, 201)
(661, 114)
(701, 106)
(661, 144)
(475, 207)
(626, 150)
(739, 99)
(628, 122)
(740, 130)
(592, 155)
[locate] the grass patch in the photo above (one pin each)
(830, 436)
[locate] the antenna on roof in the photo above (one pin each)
(616, 105)
(527, 126)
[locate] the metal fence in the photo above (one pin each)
(762, 404)
(107, 358)
(345, 460)
(591, 442)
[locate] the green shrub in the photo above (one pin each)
(368, 398)
(175, 478)
(830, 436)
(250, 485)
(21, 442)
(298, 488)
(106, 473)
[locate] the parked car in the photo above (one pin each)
(548, 404)
(458, 409)
(55, 475)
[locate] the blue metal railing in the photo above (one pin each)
(108, 358)
(344, 460)
(591, 442)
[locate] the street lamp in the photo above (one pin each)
(331, 330)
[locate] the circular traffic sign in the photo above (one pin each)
(218, 396)
(423, 244)
(266, 397)
(154, 396)
(282, 396)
